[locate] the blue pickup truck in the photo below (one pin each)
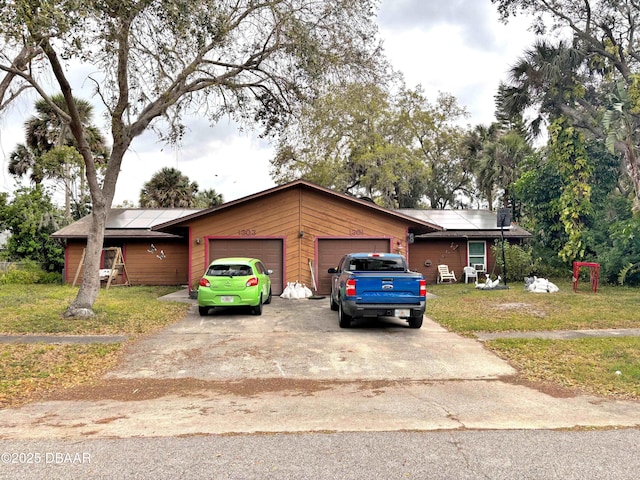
(375, 285)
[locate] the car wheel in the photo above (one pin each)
(257, 310)
(333, 303)
(203, 311)
(415, 322)
(345, 320)
(268, 300)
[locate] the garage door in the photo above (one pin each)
(269, 251)
(330, 251)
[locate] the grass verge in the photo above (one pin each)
(586, 364)
(601, 366)
(30, 370)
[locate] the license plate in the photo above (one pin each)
(403, 312)
(226, 299)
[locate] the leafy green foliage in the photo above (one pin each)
(154, 62)
(27, 272)
(398, 150)
(31, 218)
(590, 79)
(168, 188)
(518, 259)
(568, 153)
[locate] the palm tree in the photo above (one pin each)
(495, 155)
(168, 188)
(44, 133)
(208, 198)
(23, 161)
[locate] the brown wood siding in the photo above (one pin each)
(73, 255)
(324, 217)
(299, 217)
(448, 252)
(438, 252)
(143, 267)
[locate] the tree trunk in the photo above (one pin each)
(82, 306)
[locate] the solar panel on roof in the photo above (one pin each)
(456, 219)
(144, 218)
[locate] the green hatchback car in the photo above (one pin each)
(235, 282)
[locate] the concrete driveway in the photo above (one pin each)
(294, 370)
(301, 339)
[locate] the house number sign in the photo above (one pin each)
(247, 232)
(356, 232)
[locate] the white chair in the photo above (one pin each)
(444, 275)
(470, 272)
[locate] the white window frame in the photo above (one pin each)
(484, 256)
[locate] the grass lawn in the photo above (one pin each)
(603, 366)
(465, 309)
(27, 370)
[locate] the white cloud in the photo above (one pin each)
(464, 51)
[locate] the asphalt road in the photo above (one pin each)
(506, 454)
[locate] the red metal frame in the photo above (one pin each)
(594, 274)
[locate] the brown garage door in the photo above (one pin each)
(330, 251)
(267, 250)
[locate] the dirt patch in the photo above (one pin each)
(146, 389)
(521, 307)
(552, 389)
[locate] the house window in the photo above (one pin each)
(478, 255)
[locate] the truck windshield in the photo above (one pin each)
(376, 265)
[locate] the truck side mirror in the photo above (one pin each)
(332, 270)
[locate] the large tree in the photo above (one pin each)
(256, 60)
(593, 78)
(398, 149)
(348, 140)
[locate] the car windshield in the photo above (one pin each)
(229, 270)
(376, 265)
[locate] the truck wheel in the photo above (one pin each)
(345, 320)
(415, 322)
(333, 303)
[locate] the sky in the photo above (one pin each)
(457, 47)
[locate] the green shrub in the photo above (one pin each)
(28, 272)
(519, 262)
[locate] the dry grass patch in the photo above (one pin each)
(601, 366)
(28, 371)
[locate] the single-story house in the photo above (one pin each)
(299, 230)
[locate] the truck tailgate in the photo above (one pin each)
(388, 288)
